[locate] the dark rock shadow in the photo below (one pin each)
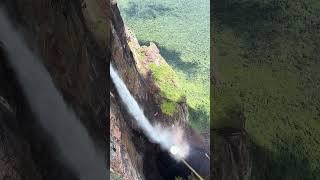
(265, 26)
(150, 11)
(242, 16)
(248, 18)
(281, 165)
(200, 116)
(258, 24)
(285, 163)
(173, 58)
(232, 117)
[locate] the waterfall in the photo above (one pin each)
(70, 136)
(170, 139)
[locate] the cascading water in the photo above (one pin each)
(169, 139)
(72, 139)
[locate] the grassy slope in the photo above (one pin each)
(181, 31)
(167, 79)
(268, 59)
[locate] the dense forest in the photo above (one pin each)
(268, 66)
(181, 31)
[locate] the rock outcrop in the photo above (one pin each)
(133, 156)
(231, 157)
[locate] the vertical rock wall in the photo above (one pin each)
(72, 37)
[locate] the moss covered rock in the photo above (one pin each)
(163, 79)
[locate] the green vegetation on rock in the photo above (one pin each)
(181, 31)
(167, 80)
(168, 107)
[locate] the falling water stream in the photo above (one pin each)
(169, 139)
(70, 136)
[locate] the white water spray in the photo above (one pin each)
(72, 139)
(170, 139)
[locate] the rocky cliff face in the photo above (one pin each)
(131, 152)
(133, 156)
(231, 158)
(72, 39)
(76, 39)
